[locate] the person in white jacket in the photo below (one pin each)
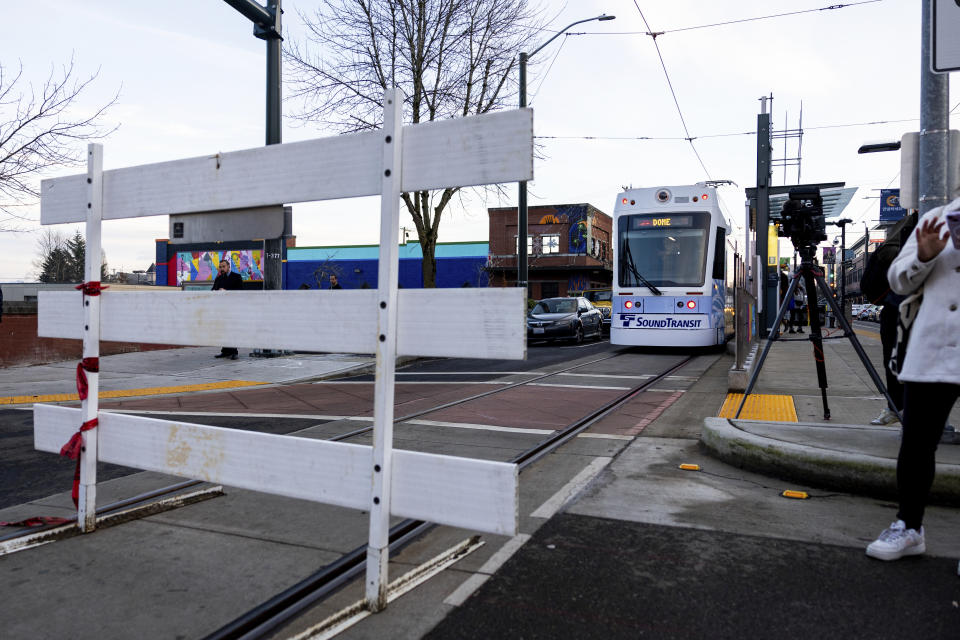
(930, 374)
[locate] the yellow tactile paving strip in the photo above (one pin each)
(132, 393)
(867, 334)
(760, 407)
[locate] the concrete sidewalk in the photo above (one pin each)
(173, 371)
(638, 546)
(844, 452)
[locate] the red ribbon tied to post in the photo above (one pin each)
(91, 288)
(87, 364)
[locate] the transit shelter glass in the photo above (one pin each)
(665, 250)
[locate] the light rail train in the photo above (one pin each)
(672, 268)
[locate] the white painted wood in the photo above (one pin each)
(469, 493)
(335, 321)
(464, 152)
(456, 323)
(463, 323)
(388, 269)
(87, 493)
(483, 149)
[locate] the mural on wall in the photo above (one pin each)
(201, 266)
(577, 216)
(578, 284)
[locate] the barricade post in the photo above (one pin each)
(462, 492)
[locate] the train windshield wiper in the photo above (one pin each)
(629, 265)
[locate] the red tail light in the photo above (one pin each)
(628, 304)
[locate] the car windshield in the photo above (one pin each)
(558, 305)
(655, 252)
(598, 296)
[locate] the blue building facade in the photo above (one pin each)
(459, 264)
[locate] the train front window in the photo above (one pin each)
(664, 250)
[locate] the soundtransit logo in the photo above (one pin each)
(637, 321)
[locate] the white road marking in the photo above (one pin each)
(481, 427)
(471, 584)
(579, 481)
(428, 423)
(576, 386)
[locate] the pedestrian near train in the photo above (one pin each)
(930, 373)
(227, 280)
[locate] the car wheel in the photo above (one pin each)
(578, 336)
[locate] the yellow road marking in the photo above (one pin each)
(760, 407)
(867, 334)
(130, 393)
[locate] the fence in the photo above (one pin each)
(479, 323)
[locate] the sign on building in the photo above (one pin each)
(890, 209)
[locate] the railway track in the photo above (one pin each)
(285, 606)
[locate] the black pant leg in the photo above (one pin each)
(926, 407)
(888, 338)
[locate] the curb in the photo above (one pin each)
(815, 466)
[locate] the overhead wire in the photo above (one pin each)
(666, 73)
(547, 72)
(725, 23)
(738, 133)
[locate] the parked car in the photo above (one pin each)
(870, 312)
(602, 299)
(564, 319)
(855, 309)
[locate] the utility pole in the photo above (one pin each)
(764, 290)
(266, 26)
(934, 141)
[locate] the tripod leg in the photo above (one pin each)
(813, 311)
(766, 348)
(848, 331)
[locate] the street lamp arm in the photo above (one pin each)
(562, 31)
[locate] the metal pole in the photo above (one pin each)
(763, 216)
(274, 39)
(522, 195)
(843, 267)
(934, 141)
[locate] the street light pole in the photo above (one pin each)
(522, 194)
(842, 223)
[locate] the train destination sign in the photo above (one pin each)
(657, 222)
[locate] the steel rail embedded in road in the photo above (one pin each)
(283, 607)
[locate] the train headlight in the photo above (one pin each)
(663, 195)
(628, 304)
(691, 304)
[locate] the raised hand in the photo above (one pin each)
(930, 240)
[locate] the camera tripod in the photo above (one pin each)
(812, 278)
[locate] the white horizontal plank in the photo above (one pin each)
(468, 323)
(462, 323)
(292, 320)
(463, 492)
(486, 149)
(465, 152)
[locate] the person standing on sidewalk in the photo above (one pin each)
(875, 286)
(930, 374)
(227, 280)
(333, 282)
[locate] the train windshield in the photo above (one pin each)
(663, 249)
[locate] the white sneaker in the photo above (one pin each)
(886, 417)
(897, 541)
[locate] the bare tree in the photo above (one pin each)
(61, 259)
(39, 130)
(451, 58)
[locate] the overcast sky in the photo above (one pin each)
(190, 77)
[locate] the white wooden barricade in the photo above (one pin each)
(482, 323)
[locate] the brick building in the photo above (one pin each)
(568, 248)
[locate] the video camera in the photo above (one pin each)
(802, 219)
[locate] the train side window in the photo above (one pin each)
(719, 254)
